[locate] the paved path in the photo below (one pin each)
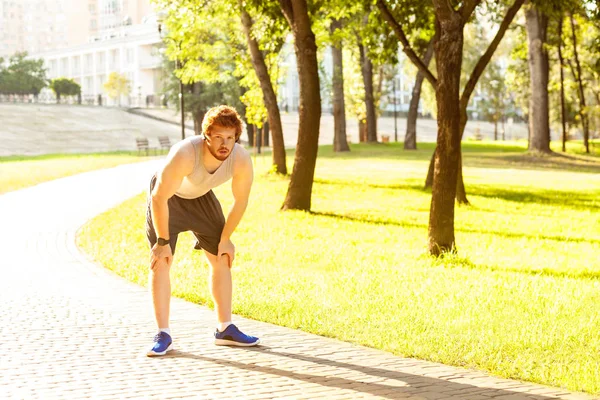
(70, 329)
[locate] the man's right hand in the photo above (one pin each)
(159, 255)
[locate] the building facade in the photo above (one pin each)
(132, 51)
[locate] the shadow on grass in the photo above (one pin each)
(555, 161)
(382, 221)
(476, 155)
(569, 199)
(454, 261)
(406, 184)
(407, 385)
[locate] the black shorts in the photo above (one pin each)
(203, 216)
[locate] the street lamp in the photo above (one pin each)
(178, 65)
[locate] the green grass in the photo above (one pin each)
(17, 172)
(520, 300)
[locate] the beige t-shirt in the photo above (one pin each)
(200, 181)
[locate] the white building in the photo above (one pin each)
(132, 51)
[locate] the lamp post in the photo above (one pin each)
(178, 65)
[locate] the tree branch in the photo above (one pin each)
(406, 47)
(288, 11)
(487, 56)
(467, 9)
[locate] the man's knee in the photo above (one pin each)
(160, 268)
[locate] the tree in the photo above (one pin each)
(451, 105)
(377, 50)
(539, 117)
(562, 85)
(494, 88)
(300, 188)
(340, 141)
(577, 74)
(117, 85)
(22, 76)
(64, 87)
(410, 139)
(366, 65)
(268, 93)
(230, 58)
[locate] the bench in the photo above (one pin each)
(143, 145)
(165, 143)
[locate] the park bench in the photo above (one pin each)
(165, 143)
(143, 145)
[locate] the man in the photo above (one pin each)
(181, 200)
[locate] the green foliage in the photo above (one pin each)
(209, 42)
(518, 78)
(21, 75)
(269, 29)
(117, 85)
(65, 87)
(495, 96)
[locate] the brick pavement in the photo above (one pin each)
(73, 330)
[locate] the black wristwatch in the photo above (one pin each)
(162, 242)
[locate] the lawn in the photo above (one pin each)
(519, 300)
(17, 172)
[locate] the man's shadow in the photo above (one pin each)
(414, 384)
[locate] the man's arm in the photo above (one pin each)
(180, 162)
(241, 184)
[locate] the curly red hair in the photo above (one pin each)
(223, 116)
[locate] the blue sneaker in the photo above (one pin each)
(232, 336)
(162, 344)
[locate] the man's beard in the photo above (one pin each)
(217, 155)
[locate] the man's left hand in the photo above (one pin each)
(226, 248)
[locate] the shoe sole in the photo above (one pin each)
(153, 353)
(224, 342)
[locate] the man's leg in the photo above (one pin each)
(160, 286)
(220, 286)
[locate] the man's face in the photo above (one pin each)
(220, 142)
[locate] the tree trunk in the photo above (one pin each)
(362, 131)
(495, 129)
(197, 112)
(582, 109)
(259, 138)
(198, 116)
(562, 87)
(250, 132)
(300, 188)
(266, 134)
(539, 119)
(410, 140)
(448, 55)
(367, 74)
(269, 97)
(461, 193)
(340, 141)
